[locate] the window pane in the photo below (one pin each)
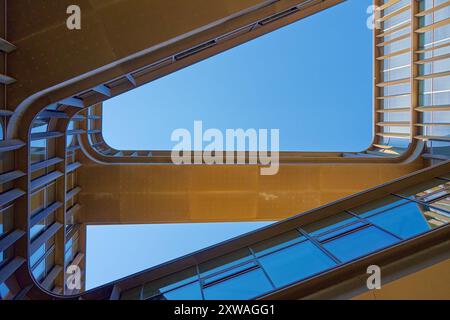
(442, 203)
(190, 292)
(328, 223)
(404, 221)
(436, 218)
(427, 191)
(37, 229)
(5, 293)
(224, 262)
(359, 243)
(229, 273)
(170, 282)
(377, 206)
(6, 220)
(39, 271)
(245, 286)
(295, 263)
(278, 242)
(37, 255)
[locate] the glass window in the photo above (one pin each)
(329, 223)
(436, 218)
(404, 221)
(276, 243)
(38, 150)
(442, 203)
(359, 243)
(229, 273)
(224, 262)
(37, 255)
(6, 255)
(295, 263)
(244, 286)
(427, 191)
(341, 230)
(377, 206)
(169, 282)
(5, 292)
(188, 292)
(6, 220)
(39, 271)
(37, 229)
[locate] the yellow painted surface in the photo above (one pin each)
(169, 193)
(49, 53)
(431, 283)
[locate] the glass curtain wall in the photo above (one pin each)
(309, 249)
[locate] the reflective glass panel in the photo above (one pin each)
(427, 191)
(242, 287)
(39, 271)
(295, 263)
(189, 292)
(224, 262)
(5, 293)
(404, 221)
(329, 223)
(278, 242)
(170, 282)
(377, 206)
(359, 243)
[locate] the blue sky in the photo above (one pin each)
(309, 80)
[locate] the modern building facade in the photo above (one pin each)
(387, 205)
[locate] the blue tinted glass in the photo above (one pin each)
(169, 282)
(278, 242)
(378, 206)
(224, 262)
(37, 229)
(68, 244)
(243, 287)
(295, 263)
(37, 255)
(329, 223)
(359, 243)
(404, 221)
(229, 273)
(68, 256)
(4, 291)
(39, 271)
(341, 230)
(189, 292)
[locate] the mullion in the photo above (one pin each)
(319, 245)
(262, 268)
(422, 203)
(336, 229)
(375, 225)
(200, 280)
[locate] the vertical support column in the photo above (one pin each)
(3, 68)
(60, 216)
(376, 72)
(22, 160)
(414, 69)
